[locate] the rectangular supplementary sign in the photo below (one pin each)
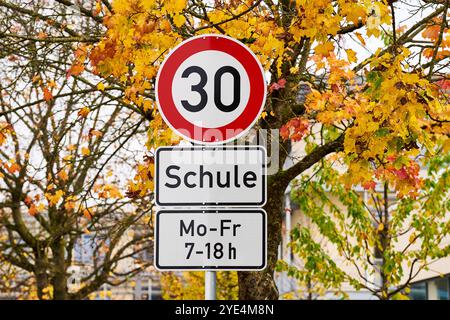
(210, 239)
(211, 176)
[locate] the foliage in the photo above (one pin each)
(66, 227)
(190, 285)
(384, 242)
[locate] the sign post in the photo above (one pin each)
(210, 90)
(210, 285)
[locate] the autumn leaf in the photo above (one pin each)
(84, 112)
(280, 84)
(42, 35)
(85, 151)
(95, 133)
(48, 96)
(32, 210)
(101, 86)
(432, 32)
(179, 20)
(13, 168)
(369, 185)
(295, 129)
(351, 55)
(360, 38)
(263, 115)
(63, 175)
(75, 70)
(324, 49)
(53, 199)
(87, 213)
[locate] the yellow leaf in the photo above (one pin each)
(360, 38)
(84, 112)
(380, 227)
(69, 205)
(179, 20)
(412, 237)
(63, 175)
(351, 55)
(101, 86)
(53, 199)
(324, 49)
(85, 151)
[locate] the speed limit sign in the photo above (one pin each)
(210, 89)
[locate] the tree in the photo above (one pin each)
(385, 241)
(64, 142)
(190, 285)
(363, 108)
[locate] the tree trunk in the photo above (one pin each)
(59, 280)
(261, 285)
(40, 273)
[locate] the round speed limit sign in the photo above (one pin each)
(210, 89)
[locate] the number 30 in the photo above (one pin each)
(217, 89)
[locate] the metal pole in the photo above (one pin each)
(210, 285)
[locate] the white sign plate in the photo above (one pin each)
(210, 239)
(211, 176)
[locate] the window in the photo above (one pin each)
(442, 289)
(419, 291)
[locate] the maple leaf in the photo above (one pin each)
(324, 49)
(360, 38)
(351, 55)
(369, 185)
(87, 213)
(53, 199)
(48, 96)
(280, 84)
(101, 86)
(13, 168)
(444, 84)
(179, 20)
(432, 32)
(63, 175)
(84, 112)
(32, 210)
(96, 133)
(28, 200)
(295, 129)
(75, 70)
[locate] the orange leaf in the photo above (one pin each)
(63, 175)
(47, 95)
(75, 70)
(14, 168)
(28, 201)
(432, 32)
(360, 38)
(84, 112)
(33, 210)
(87, 214)
(85, 151)
(93, 132)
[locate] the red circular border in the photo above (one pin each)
(211, 42)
